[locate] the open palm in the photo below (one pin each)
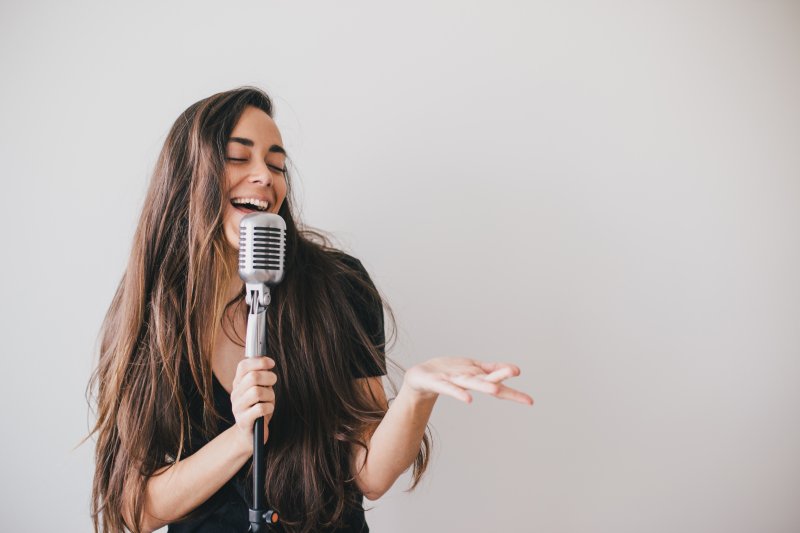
(455, 376)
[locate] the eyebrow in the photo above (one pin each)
(249, 142)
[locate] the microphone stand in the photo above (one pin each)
(262, 241)
(258, 298)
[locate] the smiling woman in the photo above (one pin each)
(176, 398)
(255, 169)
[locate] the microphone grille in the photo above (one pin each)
(262, 248)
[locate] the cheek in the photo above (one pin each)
(230, 180)
(280, 190)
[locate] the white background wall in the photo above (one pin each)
(606, 193)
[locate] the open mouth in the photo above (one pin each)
(250, 204)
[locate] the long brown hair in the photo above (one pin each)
(160, 327)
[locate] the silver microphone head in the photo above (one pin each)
(262, 248)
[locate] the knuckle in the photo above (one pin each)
(252, 394)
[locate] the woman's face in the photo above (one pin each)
(254, 170)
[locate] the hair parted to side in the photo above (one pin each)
(160, 326)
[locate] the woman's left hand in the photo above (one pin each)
(454, 376)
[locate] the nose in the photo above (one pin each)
(262, 179)
(262, 176)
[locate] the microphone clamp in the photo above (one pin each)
(261, 293)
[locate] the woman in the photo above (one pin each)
(176, 399)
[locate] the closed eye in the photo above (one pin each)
(273, 167)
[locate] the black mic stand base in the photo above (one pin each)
(260, 520)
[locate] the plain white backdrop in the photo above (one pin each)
(605, 193)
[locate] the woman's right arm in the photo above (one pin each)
(181, 487)
(177, 489)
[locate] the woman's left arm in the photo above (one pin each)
(394, 444)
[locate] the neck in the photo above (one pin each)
(234, 287)
(232, 290)
(234, 284)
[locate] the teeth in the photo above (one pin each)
(261, 204)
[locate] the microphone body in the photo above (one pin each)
(262, 251)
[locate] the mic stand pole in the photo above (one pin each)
(256, 346)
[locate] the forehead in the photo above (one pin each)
(255, 124)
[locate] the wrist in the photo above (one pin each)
(417, 395)
(242, 444)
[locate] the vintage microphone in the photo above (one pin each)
(262, 248)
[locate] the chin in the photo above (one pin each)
(233, 217)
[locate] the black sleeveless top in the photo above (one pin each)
(227, 509)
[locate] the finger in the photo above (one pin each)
(498, 390)
(257, 411)
(475, 383)
(254, 378)
(265, 378)
(252, 396)
(449, 389)
(500, 374)
(507, 393)
(474, 370)
(257, 394)
(500, 369)
(252, 363)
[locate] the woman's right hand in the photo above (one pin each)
(252, 395)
